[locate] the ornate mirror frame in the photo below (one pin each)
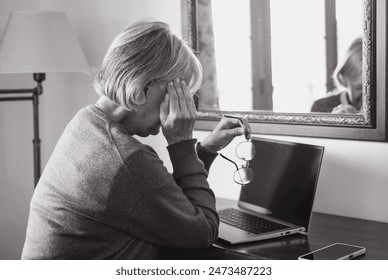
(370, 125)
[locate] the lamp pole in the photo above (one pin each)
(36, 91)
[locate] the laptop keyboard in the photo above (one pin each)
(248, 222)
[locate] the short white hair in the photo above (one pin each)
(144, 52)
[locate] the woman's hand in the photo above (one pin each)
(345, 109)
(177, 113)
(227, 129)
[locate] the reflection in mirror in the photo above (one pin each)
(279, 55)
(346, 96)
(264, 79)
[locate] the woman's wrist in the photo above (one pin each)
(206, 148)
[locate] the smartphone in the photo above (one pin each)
(336, 251)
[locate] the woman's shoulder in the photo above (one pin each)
(118, 137)
(125, 143)
(326, 104)
(118, 134)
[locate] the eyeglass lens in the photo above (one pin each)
(243, 176)
(245, 150)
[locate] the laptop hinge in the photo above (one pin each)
(255, 208)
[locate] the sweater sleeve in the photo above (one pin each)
(206, 157)
(177, 210)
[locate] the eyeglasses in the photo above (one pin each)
(244, 151)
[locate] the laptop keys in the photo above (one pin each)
(248, 222)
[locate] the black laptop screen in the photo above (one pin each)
(285, 179)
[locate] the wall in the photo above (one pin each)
(354, 175)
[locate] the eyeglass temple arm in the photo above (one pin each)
(237, 118)
(233, 117)
(236, 168)
(228, 159)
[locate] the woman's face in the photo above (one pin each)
(145, 120)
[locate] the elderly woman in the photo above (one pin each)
(105, 195)
(347, 96)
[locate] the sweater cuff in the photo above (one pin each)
(206, 157)
(184, 159)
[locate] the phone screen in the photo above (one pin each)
(334, 252)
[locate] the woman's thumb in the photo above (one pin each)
(164, 108)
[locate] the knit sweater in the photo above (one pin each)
(326, 104)
(105, 195)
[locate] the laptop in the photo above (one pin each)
(279, 200)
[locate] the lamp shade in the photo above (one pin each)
(39, 42)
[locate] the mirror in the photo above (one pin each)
(258, 67)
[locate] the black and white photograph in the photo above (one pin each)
(194, 130)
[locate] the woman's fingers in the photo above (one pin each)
(189, 101)
(239, 121)
(184, 105)
(174, 100)
(179, 123)
(247, 128)
(180, 94)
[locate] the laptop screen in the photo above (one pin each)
(285, 179)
